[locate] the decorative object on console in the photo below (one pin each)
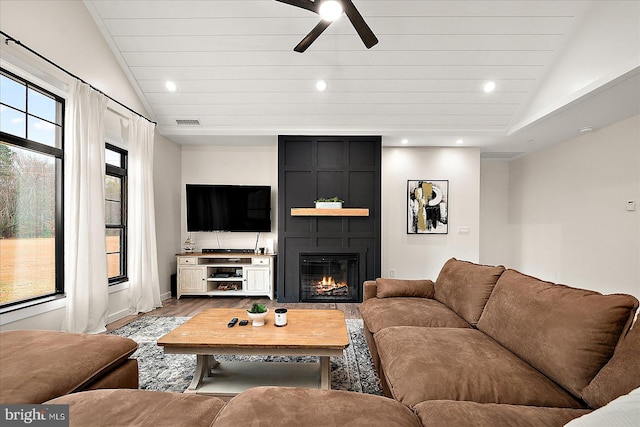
(332, 203)
(257, 314)
(189, 245)
(427, 207)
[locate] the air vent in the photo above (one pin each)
(188, 122)
(500, 155)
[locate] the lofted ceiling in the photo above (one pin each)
(238, 76)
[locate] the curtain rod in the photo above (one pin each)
(18, 43)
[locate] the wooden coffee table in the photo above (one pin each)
(320, 333)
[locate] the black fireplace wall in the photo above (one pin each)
(310, 167)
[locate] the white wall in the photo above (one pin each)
(167, 173)
(422, 256)
(238, 165)
(64, 32)
(495, 232)
(566, 217)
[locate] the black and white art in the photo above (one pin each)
(427, 207)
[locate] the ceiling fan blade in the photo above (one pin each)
(368, 38)
(310, 38)
(304, 4)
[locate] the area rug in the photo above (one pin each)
(173, 372)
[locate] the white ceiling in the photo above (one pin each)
(237, 73)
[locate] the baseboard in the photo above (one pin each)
(117, 315)
(165, 296)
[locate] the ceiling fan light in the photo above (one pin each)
(330, 10)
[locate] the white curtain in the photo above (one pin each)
(86, 283)
(144, 285)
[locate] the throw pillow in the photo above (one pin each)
(404, 288)
(465, 287)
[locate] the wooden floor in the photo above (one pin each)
(190, 306)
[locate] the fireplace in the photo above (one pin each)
(329, 277)
(310, 167)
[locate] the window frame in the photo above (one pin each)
(122, 174)
(57, 153)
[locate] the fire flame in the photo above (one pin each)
(327, 281)
(329, 284)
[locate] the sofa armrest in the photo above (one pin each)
(370, 290)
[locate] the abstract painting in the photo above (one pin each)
(427, 207)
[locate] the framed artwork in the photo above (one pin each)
(427, 207)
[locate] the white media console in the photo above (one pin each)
(225, 274)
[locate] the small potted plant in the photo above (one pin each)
(329, 203)
(257, 314)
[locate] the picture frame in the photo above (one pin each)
(427, 206)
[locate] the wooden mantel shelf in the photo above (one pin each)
(329, 212)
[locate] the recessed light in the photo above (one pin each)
(489, 87)
(330, 10)
(322, 85)
(460, 141)
(404, 141)
(171, 86)
(586, 129)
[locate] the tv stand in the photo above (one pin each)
(228, 273)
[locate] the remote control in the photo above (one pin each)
(232, 322)
(243, 322)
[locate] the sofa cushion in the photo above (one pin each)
(566, 333)
(40, 365)
(380, 313)
(404, 288)
(465, 287)
(422, 364)
(619, 376)
(446, 413)
(139, 408)
(281, 406)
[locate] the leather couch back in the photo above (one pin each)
(566, 333)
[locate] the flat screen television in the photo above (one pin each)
(228, 208)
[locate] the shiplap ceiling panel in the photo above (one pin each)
(447, 101)
(413, 26)
(429, 58)
(392, 43)
(134, 9)
(510, 90)
(236, 72)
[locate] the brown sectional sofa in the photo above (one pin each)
(36, 366)
(256, 407)
(499, 347)
(481, 346)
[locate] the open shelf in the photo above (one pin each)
(329, 212)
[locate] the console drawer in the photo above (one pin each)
(187, 261)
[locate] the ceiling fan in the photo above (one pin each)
(368, 38)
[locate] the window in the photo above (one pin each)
(31, 156)
(115, 210)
